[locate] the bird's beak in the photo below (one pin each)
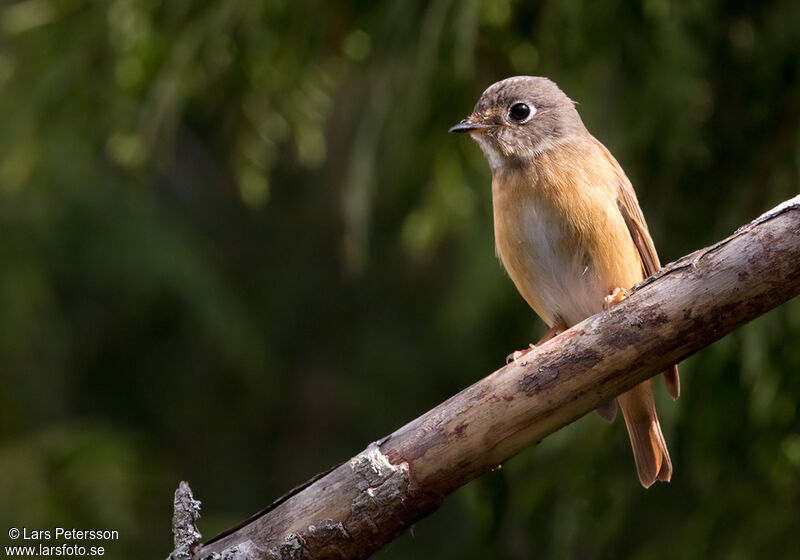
(469, 126)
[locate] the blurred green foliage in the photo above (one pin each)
(237, 245)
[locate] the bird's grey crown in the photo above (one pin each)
(536, 90)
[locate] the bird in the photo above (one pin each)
(568, 229)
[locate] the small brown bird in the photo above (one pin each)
(568, 228)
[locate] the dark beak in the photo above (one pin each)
(468, 126)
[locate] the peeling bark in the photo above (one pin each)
(356, 508)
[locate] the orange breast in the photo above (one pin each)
(559, 232)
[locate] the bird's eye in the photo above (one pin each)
(519, 112)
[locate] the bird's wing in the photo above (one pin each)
(637, 227)
(634, 219)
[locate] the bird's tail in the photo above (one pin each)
(647, 441)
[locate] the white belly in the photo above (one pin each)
(555, 277)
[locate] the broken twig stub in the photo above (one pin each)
(186, 511)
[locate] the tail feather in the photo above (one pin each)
(608, 410)
(647, 441)
(673, 382)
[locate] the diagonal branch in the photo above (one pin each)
(359, 506)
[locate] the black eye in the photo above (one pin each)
(519, 111)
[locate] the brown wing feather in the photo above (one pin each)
(632, 214)
(634, 219)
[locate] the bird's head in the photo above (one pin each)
(518, 118)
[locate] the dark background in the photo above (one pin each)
(237, 245)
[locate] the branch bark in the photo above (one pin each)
(356, 508)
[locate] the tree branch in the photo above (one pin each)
(356, 508)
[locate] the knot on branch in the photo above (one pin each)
(379, 483)
(371, 469)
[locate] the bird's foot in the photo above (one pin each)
(615, 297)
(515, 356)
(558, 327)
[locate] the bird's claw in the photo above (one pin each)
(615, 297)
(516, 355)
